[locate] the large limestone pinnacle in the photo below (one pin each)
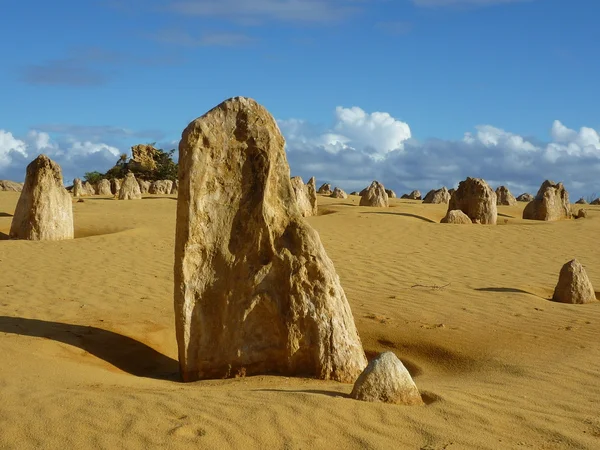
(255, 292)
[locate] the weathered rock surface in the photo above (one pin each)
(595, 202)
(161, 187)
(305, 195)
(6, 185)
(89, 188)
(364, 191)
(44, 211)
(375, 195)
(390, 193)
(581, 201)
(386, 380)
(581, 214)
(504, 197)
(325, 189)
(525, 197)
(550, 203)
(339, 193)
(574, 286)
(130, 189)
(175, 188)
(311, 189)
(456, 216)
(414, 195)
(440, 196)
(115, 186)
(103, 187)
(477, 200)
(143, 156)
(255, 292)
(144, 186)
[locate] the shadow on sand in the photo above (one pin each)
(123, 352)
(414, 216)
(306, 391)
(3, 214)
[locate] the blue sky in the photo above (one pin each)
(90, 79)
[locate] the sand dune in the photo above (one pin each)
(88, 352)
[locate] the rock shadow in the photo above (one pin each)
(306, 391)
(3, 214)
(414, 216)
(123, 352)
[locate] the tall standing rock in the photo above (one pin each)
(255, 292)
(311, 189)
(104, 187)
(550, 203)
(44, 211)
(504, 197)
(476, 199)
(130, 189)
(302, 195)
(375, 195)
(115, 186)
(574, 286)
(78, 189)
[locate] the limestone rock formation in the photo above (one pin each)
(78, 189)
(581, 201)
(525, 197)
(325, 189)
(255, 292)
(440, 196)
(160, 187)
(339, 193)
(130, 189)
(144, 186)
(451, 192)
(581, 214)
(595, 202)
(477, 200)
(574, 286)
(504, 197)
(305, 195)
(6, 185)
(354, 193)
(89, 188)
(311, 189)
(175, 188)
(386, 380)
(550, 203)
(44, 211)
(143, 156)
(390, 193)
(414, 195)
(115, 186)
(456, 216)
(103, 187)
(375, 195)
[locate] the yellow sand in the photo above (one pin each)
(88, 352)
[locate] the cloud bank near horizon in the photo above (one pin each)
(360, 147)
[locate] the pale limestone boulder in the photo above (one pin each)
(456, 216)
(339, 193)
(130, 189)
(437, 196)
(574, 286)
(78, 189)
(311, 189)
(103, 187)
(303, 196)
(12, 186)
(525, 197)
(115, 186)
(414, 195)
(144, 186)
(504, 197)
(375, 195)
(44, 211)
(89, 188)
(325, 189)
(161, 187)
(255, 292)
(581, 214)
(386, 380)
(390, 193)
(550, 203)
(477, 200)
